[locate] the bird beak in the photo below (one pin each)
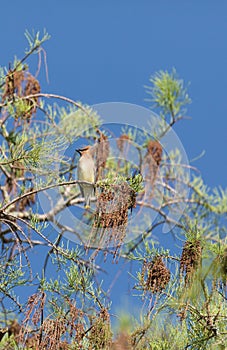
(79, 151)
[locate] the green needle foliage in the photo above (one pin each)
(168, 93)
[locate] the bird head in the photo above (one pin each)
(84, 150)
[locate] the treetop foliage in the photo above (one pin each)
(51, 290)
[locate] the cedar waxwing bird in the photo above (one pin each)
(86, 172)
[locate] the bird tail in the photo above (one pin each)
(88, 191)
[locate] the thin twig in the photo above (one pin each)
(46, 95)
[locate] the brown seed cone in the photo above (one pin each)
(152, 161)
(155, 275)
(32, 87)
(121, 141)
(154, 148)
(13, 84)
(190, 259)
(102, 152)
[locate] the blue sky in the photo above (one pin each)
(102, 51)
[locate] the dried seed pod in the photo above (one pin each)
(13, 84)
(113, 204)
(190, 259)
(22, 84)
(155, 275)
(32, 87)
(111, 216)
(122, 140)
(102, 149)
(154, 148)
(102, 152)
(150, 165)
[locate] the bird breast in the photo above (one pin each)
(86, 169)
